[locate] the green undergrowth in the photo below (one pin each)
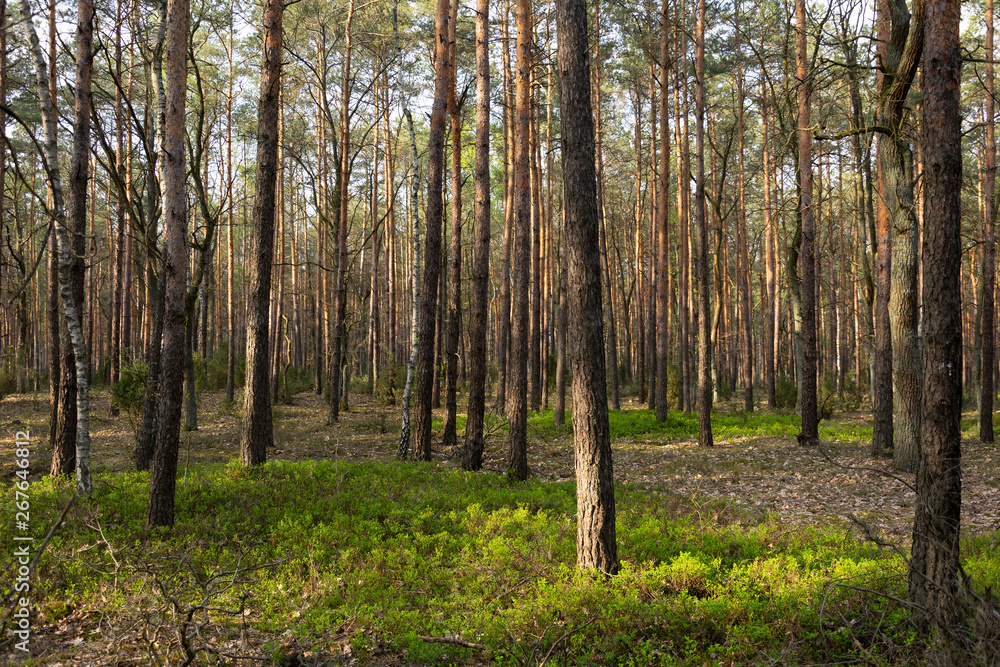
(684, 426)
(323, 554)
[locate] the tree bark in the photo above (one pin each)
(663, 341)
(596, 545)
(163, 473)
(432, 249)
(257, 433)
(809, 435)
(455, 278)
(988, 320)
(337, 363)
(933, 576)
(517, 381)
(478, 309)
(701, 226)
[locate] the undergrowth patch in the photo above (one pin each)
(334, 558)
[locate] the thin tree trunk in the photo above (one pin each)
(701, 225)
(663, 341)
(989, 251)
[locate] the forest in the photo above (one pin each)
(520, 332)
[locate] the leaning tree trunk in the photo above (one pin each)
(933, 577)
(596, 546)
(478, 309)
(257, 432)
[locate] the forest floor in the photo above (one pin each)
(752, 467)
(755, 469)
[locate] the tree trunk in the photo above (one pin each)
(933, 576)
(596, 545)
(160, 509)
(455, 277)
(809, 435)
(663, 341)
(257, 434)
(517, 387)
(432, 266)
(478, 308)
(743, 262)
(989, 250)
(701, 225)
(340, 296)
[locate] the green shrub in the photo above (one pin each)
(129, 393)
(8, 382)
(786, 394)
(390, 380)
(295, 380)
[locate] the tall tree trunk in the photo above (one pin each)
(337, 363)
(163, 473)
(478, 309)
(404, 437)
(809, 435)
(455, 277)
(989, 246)
(933, 577)
(596, 545)
(435, 214)
(701, 225)
(663, 340)
(517, 389)
(257, 433)
(770, 260)
(743, 263)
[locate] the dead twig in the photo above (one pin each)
(453, 641)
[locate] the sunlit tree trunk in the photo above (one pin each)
(455, 258)
(517, 389)
(596, 545)
(663, 340)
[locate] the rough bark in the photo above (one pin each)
(432, 249)
(455, 258)
(517, 377)
(596, 545)
(663, 341)
(257, 433)
(338, 344)
(478, 308)
(160, 508)
(808, 407)
(988, 319)
(701, 227)
(933, 576)
(403, 452)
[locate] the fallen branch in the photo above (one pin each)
(451, 640)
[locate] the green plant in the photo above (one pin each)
(129, 393)
(786, 394)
